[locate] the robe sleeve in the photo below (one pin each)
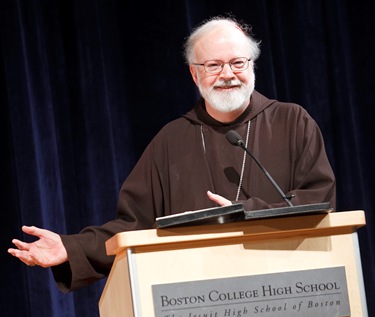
(88, 261)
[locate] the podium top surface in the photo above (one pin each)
(234, 232)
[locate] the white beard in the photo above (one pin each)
(228, 101)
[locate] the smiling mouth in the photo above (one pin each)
(226, 87)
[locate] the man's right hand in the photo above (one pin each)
(47, 251)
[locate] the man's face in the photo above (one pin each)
(227, 90)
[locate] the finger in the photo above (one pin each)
(219, 199)
(34, 231)
(21, 245)
(27, 262)
(13, 251)
(210, 194)
(24, 256)
(213, 196)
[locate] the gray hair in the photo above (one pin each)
(213, 23)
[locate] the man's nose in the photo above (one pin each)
(227, 71)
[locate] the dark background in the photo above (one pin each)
(85, 85)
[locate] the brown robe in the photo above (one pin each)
(191, 155)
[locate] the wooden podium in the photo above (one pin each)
(181, 256)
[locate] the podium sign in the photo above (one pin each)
(292, 266)
(320, 292)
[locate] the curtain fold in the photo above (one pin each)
(85, 85)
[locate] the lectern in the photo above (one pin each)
(306, 265)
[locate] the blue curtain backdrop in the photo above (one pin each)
(85, 85)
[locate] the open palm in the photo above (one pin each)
(47, 251)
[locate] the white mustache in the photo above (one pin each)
(229, 83)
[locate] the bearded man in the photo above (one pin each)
(189, 165)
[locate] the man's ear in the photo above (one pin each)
(193, 72)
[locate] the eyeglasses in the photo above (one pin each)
(237, 64)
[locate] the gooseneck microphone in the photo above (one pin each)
(235, 139)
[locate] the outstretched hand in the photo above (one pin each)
(47, 251)
(220, 200)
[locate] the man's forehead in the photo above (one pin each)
(222, 40)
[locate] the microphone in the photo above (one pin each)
(235, 139)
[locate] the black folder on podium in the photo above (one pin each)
(235, 213)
